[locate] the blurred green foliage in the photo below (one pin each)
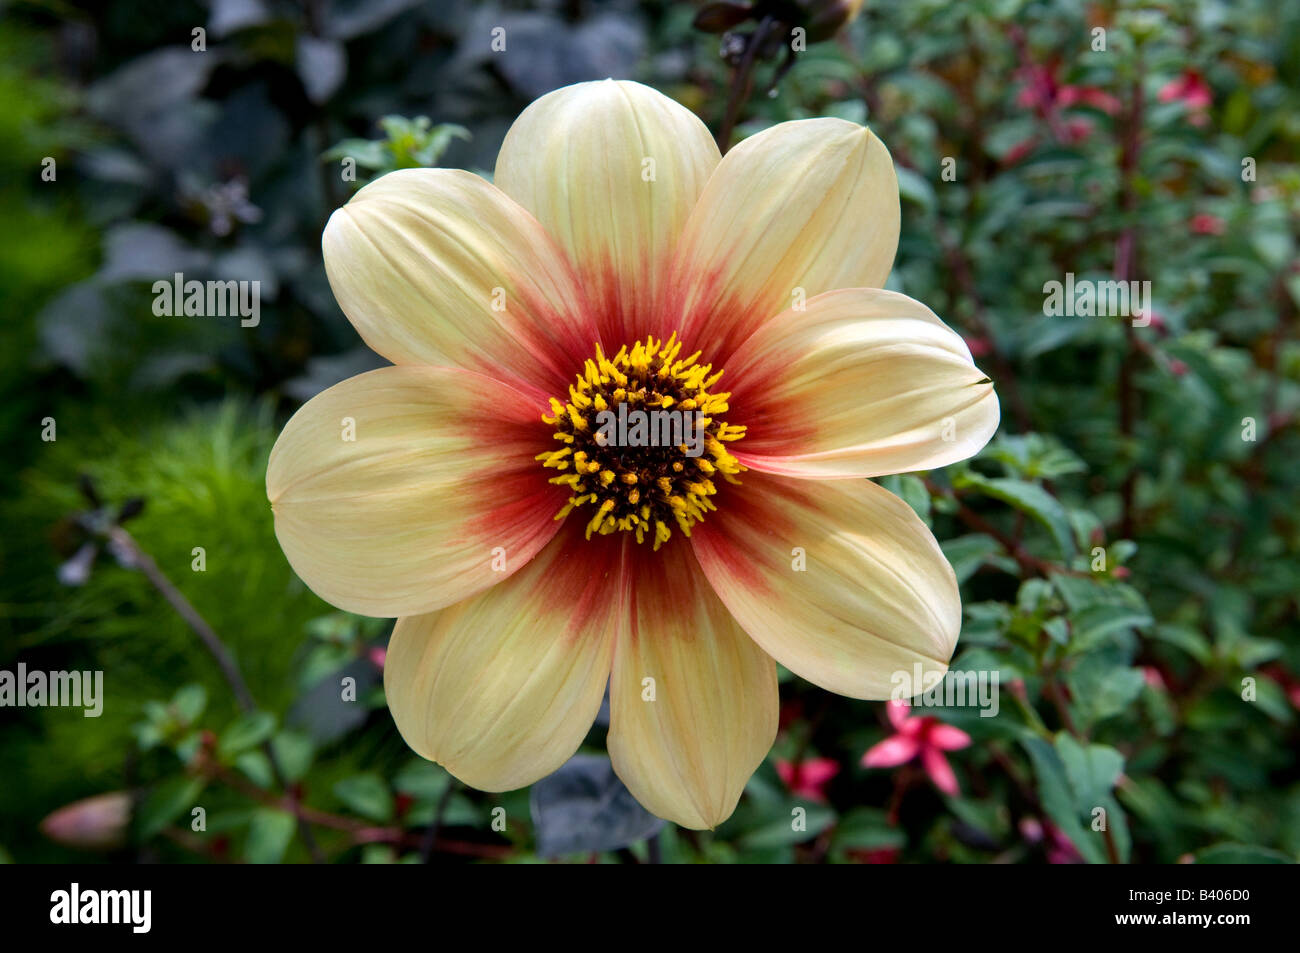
(1127, 548)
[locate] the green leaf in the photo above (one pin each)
(246, 732)
(368, 795)
(189, 703)
(781, 832)
(1091, 770)
(1033, 456)
(1276, 247)
(968, 553)
(866, 828)
(368, 153)
(257, 767)
(1272, 700)
(915, 188)
(459, 811)
(166, 802)
(437, 141)
(1058, 799)
(1091, 626)
(1241, 854)
(422, 780)
(911, 489)
(269, 834)
(295, 752)
(1103, 684)
(1030, 499)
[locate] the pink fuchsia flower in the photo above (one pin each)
(1056, 845)
(808, 778)
(1203, 223)
(1074, 130)
(473, 491)
(1151, 675)
(1092, 96)
(1060, 849)
(1043, 93)
(924, 737)
(1019, 151)
(1191, 89)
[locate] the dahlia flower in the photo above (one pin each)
(471, 491)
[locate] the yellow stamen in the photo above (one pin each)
(641, 486)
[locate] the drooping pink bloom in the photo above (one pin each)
(1191, 89)
(1075, 130)
(1043, 93)
(924, 737)
(1059, 848)
(808, 778)
(1089, 96)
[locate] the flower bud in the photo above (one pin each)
(828, 17)
(94, 823)
(721, 16)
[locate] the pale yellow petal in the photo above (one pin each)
(861, 383)
(437, 266)
(502, 688)
(838, 580)
(797, 209)
(611, 169)
(693, 701)
(406, 489)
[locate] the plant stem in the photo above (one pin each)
(1126, 251)
(133, 555)
(1013, 547)
(742, 82)
(1006, 380)
(430, 841)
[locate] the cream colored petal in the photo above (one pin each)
(798, 209)
(611, 169)
(860, 383)
(693, 701)
(874, 597)
(502, 688)
(437, 266)
(392, 491)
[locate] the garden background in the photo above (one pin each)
(1127, 546)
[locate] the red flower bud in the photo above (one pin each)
(94, 823)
